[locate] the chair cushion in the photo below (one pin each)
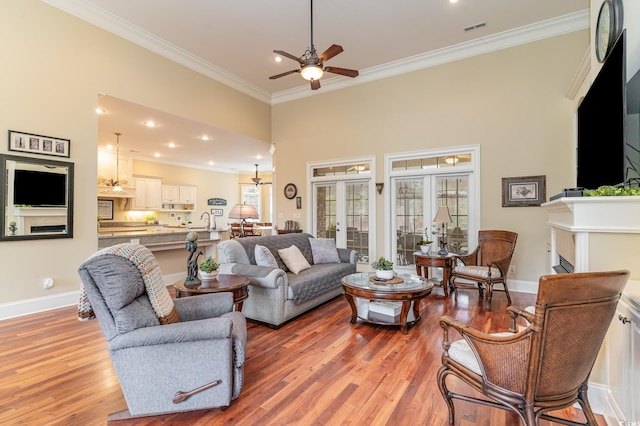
(324, 250)
(461, 352)
(264, 257)
(294, 259)
(478, 271)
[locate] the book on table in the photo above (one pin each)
(384, 307)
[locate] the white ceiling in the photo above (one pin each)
(233, 41)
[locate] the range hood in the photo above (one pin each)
(108, 192)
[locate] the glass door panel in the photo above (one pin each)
(325, 210)
(409, 217)
(357, 217)
(453, 192)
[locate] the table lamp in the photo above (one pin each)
(244, 212)
(442, 217)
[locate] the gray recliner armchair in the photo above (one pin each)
(169, 355)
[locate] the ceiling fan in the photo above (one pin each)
(312, 65)
(257, 180)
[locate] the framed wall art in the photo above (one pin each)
(216, 212)
(39, 144)
(105, 209)
(523, 191)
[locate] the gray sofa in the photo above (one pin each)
(276, 295)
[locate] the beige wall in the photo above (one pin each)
(510, 102)
(54, 66)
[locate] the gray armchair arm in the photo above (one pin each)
(204, 306)
(260, 276)
(191, 331)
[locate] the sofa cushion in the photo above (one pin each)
(317, 280)
(324, 250)
(294, 259)
(264, 257)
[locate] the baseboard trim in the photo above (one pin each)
(38, 304)
(56, 301)
(522, 286)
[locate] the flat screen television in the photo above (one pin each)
(632, 132)
(601, 124)
(35, 188)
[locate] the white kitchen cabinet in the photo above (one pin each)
(623, 356)
(178, 197)
(187, 195)
(107, 170)
(148, 194)
(170, 194)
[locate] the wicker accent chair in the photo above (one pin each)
(545, 366)
(487, 265)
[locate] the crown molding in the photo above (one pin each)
(550, 28)
(122, 28)
(582, 73)
(541, 30)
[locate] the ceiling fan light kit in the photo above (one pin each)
(312, 65)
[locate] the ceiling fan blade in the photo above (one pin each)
(273, 77)
(342, 71)
(332, 51)
(315, 84)
(289, 55)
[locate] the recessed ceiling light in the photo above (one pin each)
(172, 145)
(259, 157)
(100, 111)
(211, 163)
(277, 58)
(157, 154)
(204, 137)
(150, 123)
(109, 146)
(453, 1)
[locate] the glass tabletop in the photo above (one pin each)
(410, 282)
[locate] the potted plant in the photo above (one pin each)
(383, 268)
(151, 219)
(209, 268)
(425, 243)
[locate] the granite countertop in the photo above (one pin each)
(155, 237)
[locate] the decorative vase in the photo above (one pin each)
(208, 275)
(385, 275)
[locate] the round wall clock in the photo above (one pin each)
(290, 191)
(608, 27)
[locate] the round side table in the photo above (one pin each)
(236, 284)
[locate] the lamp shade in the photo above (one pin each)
(243, 211)
(311, 72)
(442, 215)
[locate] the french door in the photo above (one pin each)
(342, 213)
(420, 184)
(342, 204)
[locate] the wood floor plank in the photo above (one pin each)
(316, 370)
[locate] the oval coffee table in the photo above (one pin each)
(361, 292)
(236, 284)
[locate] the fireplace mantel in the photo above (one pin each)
(595, 214)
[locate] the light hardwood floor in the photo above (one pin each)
(316, 370)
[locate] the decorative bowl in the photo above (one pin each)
(385, 275)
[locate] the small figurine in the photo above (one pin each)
(192, 261)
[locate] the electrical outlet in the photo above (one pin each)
(48, 283)
(512, 269)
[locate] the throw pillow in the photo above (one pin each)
(264, 257)
(294, 259)
(324, 250)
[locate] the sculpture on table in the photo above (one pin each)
(192, 260)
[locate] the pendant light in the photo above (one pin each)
(116, 184)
